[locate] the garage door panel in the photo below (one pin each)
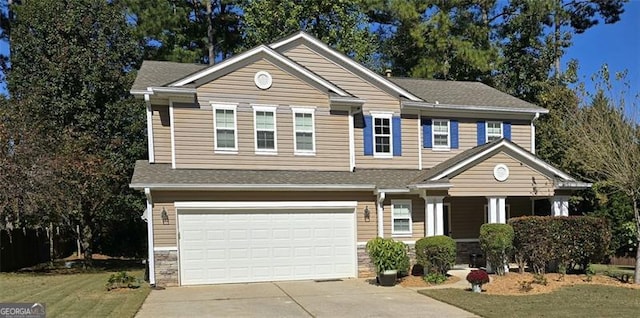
(247, 247)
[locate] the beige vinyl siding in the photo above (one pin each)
(468, 138)
(467, 215)
(479, 180)
(417, 217)
(410, 148)
(161, 133)
(194, 139)
(521, 134)
(194, 134)
(165, 235)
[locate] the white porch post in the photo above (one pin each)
(560, 205)
(151, 260)
(433, 215)
(497, 210)
(380, 213)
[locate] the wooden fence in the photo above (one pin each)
(21, 248)
(623, 261)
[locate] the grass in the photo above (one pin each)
(572, 301)
(73, 295)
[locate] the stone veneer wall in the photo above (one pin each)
(166, 263)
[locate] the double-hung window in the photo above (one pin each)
(304, 131)
(224, 122)
(494, 130)
(441, 134)
(265, 129)
(382, 135)
(401, 217)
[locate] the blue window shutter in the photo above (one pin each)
(367, 135)
(427, 141)
(506, 126)
(397, 136)
(454, 133)
(482, 133)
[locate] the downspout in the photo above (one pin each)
(352, 143)
(151, 258)
(380, 210)
(420, 138)
(533, 133)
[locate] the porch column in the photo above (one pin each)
(496, 209)
(380, 213)
(150, 247)
(560, 205)
(433, 215)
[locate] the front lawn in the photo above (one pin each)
(571, 301)
(73, 295)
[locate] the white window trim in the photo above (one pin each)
(304, 110)
(507, 212)
(389, 116)
(486, 130)
(401, 234)
(265, 108)
(225, 106)
(433, 135)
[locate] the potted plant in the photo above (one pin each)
(389, 258)
(477, 278)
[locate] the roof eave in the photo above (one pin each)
(573, 185)
(252, 187)
(427, 105)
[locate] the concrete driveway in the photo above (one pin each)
(348, 298)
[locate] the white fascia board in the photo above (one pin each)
(257, 50)
(140, 92)
(575, 185)
(434, 186)
(173, 90)
(253, 187)
(347, 100)
(527, 155)
(265, 205)
(345, 59)
(401, 190)
(423, 105)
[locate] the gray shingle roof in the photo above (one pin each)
(461, 93)
(146, 174)
(161, 73)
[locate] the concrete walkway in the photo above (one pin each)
(347, 298)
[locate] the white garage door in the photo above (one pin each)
(252, 246)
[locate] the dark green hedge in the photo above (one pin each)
(437, 254)
(564, 241)
(496, 242)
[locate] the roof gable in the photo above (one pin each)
(473, 156)
(210, 73)
(342, 60)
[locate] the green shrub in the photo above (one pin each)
(437, 254)
(387, 254)
(563, 241)
(435, 278)
(496, 241)
(122, 280)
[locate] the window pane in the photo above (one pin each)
(440, 126)
(401, 210)
(440, 140)
(401, 225)
(382, 144)
(494, 128)
(226, 139)
(265, 140)
(304, 122)
(224, 118)
(304, 141)
(264, 120)
(492, 138)
(382, 126)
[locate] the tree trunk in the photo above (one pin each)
(636, 213)
(556, 40)
(212, 54)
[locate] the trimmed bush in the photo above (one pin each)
(496, 241)
(437, 254)
(387, 254)
(562, 241)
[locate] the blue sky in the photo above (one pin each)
(617, 45)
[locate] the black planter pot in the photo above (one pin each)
(388, 278)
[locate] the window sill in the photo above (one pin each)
(441, 149)
(401, 234)
(266, 153)
(383, 156)
(305, 154)
(226, 152)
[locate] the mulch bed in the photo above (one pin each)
(418, 281)
(510, 284)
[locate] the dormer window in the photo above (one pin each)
(494, 130)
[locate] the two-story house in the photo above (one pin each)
(281, 162)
